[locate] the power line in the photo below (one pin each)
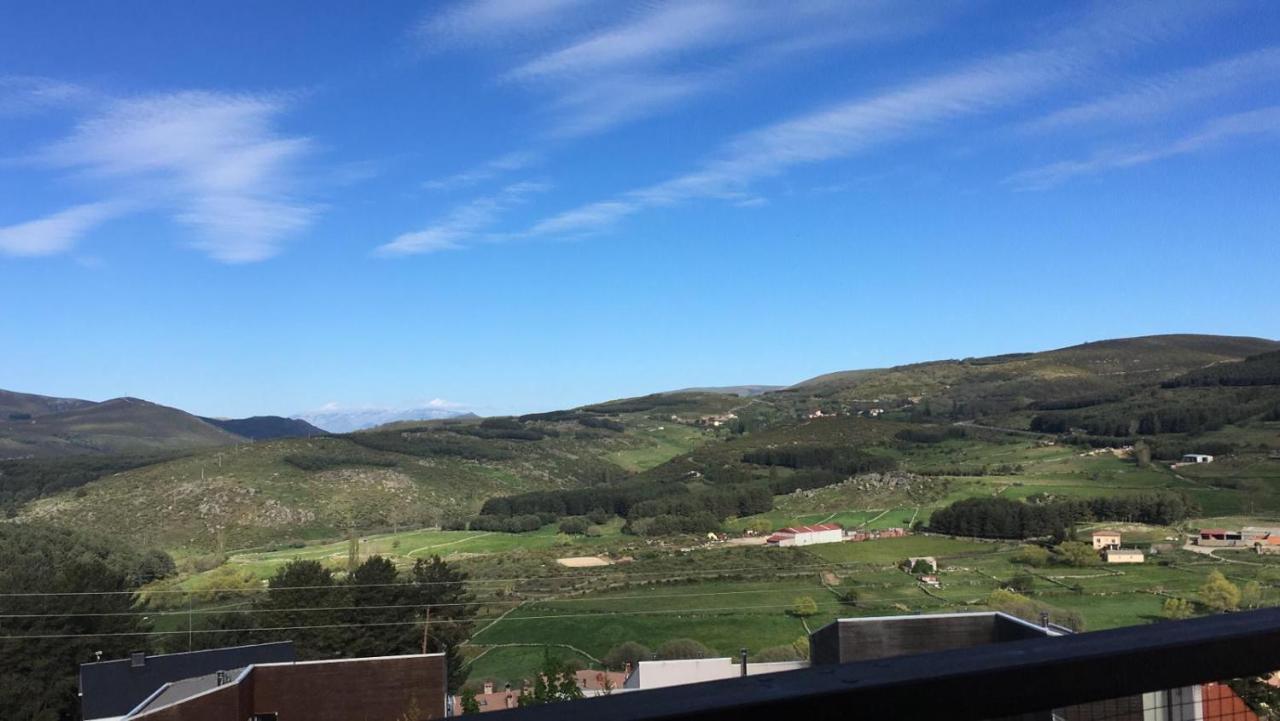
(411, 584)
(224, 610)
(393, 623)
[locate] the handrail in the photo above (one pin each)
(980, 682)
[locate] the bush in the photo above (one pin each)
(683, 648)
(1031, 556)
(1021, 582)
(574, 525)
(599, 517)
(804, 607)
(626, 653)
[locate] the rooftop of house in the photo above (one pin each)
(113, 688)
(816, 528)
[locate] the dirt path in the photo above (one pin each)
(450, 543)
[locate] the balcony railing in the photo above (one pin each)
(1064, 677)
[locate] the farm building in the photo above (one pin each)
(876, 535)
(1219, 537)
(1270, 545)
(807, 535)
(1105, 539)
(1197, 458)
(931, 580)
(1122, 555)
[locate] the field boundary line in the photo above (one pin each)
(450, 543)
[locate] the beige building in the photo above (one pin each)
(1105, 539)
(1122, 555)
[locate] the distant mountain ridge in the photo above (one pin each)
(33, 425)
(348, 420)
(265, 428)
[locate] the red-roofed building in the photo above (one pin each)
(807, 535)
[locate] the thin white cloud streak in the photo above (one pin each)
(1157, 96)
(866, 123)
(651, 37)
(654, 56)
(462, 224)
(209, 160)
(485, 171)
(26, 95)
(56, 233)
(1261, 122)
(836, 132)
(483, 21)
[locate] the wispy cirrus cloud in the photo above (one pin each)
(463, 225)
(1154, 97)
(1253, 123)
(56, 233)
(486, 21)
(641, 59)
(25, 94)
(869, 122)
(838, 131)
(485, 171)
(210, 161)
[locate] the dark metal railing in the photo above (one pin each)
(983, 682)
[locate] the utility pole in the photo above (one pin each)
(426, 625)
(190, 632)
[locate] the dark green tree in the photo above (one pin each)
(38, 676)
(438, 589)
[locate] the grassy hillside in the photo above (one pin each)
(121, 425)
(1000, 385)
(407, 475)
(30, 404)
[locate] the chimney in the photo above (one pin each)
(742, 654)
(488, 687)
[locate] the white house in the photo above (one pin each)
(660, 674)
(807, 535)
(1197, 458)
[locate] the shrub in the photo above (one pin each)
(804, 607)
(628, 652)
(574, 525)
(683, 648)
(1031, 556)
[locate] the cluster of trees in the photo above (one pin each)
(607, 424)
(1072, 403)
(613, 499)
(327, 459)
(930, 435)
(506, 524)
(1016, 604)
(428, 442)
(838, 459)
(1259, 370)
(1195, 415)
(374, 611)
(650, 402)
(1005, 518)
(721, 502)
(38, 676)
(27, 479)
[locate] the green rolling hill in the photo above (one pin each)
(424, 473)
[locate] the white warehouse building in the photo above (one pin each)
(807, 535)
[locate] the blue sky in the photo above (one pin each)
(512, 205)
